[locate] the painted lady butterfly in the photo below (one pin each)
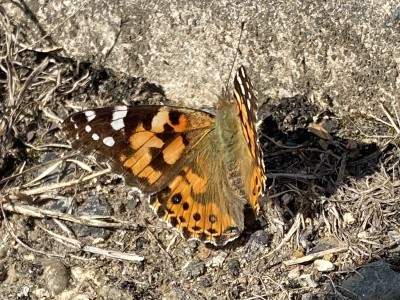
(200, 170)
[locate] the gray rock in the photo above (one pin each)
(93, 206)
(256, 244)
(376, 281)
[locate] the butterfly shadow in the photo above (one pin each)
(302, 168)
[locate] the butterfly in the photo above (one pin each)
(199, 169)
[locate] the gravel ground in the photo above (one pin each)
(328, 79)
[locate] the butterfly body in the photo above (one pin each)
(199, 169)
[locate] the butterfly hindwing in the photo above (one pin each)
(195, 201)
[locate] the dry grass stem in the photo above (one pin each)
(314, 256)
(95, 221)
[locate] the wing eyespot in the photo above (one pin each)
(196, 216)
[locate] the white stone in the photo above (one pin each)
(323, 265)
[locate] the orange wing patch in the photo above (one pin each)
(256, 188)
(138, 139)
(150, 174)
(198, 184)
(138, 161)
(174, 150)
(178, 122)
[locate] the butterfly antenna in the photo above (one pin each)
(234, 58)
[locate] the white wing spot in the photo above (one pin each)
(118, 124)
(109, 141)
(90, 115)
(242, 89)
(75, 126)
(88, 128)
(95, 136)
(77, 136)
(248, 104)
(119, 114)
(239, 79)
(243, 73)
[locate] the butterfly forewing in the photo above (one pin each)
(246, 100)
(141, 143)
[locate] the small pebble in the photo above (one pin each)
(3, 272)
(259, 237)
(141, 242)
(218, 260)
(323, 265)
(3, 251)
(206, 281)
(256, 244)
(294, 274)
(196, 270)
(309, 280)
(348, 218)
(234, 267)
(56, 276)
